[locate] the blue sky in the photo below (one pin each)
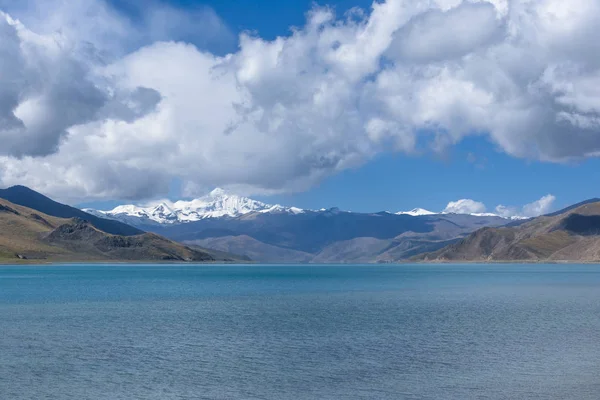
(426, 118)
(269, 18)
(474, 169)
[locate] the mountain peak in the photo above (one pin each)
(163, 207)
(20, 187)
(22, 191)
(218, 203)
(415, 212)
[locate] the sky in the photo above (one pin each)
(479, 105)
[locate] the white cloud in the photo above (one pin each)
(507, 212)
(535, 209)
(465, 206)
(108, 33)
(539, 207)
(109, 107)
(438, 35)
(49, 88)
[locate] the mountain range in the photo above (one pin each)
(217, 204)
(274, 233)
(220, 225)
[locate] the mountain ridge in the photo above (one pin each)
(26, 197)
(221, 204)
(271, 237)
(269, 233)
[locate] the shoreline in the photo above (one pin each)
(400, 263)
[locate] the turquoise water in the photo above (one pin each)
(300, 332)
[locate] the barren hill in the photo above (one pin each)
(572, 234)
(27, 234)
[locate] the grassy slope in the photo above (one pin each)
(21, 229)
(37, 236)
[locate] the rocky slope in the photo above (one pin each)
(572, 234)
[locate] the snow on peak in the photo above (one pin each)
(128, 209)
(484, 214)
(415, 212)
(218, 203)
(218, 192)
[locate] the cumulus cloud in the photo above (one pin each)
(539, 207)
(465, 206)
(437, 35)
(507, 212)
(534, 209)
(93, 104)
(97, 25)
(49, 88)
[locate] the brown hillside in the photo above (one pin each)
(573, 235)
(28, 234)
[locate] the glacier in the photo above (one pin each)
(216, 204)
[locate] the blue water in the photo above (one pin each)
(300, 332)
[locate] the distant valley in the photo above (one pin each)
(274, 233)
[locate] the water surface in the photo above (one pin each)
(300, 332)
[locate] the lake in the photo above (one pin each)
(300, 332)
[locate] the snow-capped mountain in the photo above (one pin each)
(217, 204)
(274, 233)
(416, 212)
(419, 212)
